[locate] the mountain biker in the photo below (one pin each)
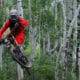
(16, 25)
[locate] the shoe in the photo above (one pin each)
(29, 64)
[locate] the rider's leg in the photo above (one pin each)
(11, 49)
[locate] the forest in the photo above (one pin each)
(52, 40)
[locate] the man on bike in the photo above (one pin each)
(16, 25)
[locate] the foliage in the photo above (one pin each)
(45, 61)
(9, 68)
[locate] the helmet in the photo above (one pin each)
(14, 12)
(13, 15)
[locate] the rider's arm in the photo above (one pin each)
(4, 27)
(23, 21)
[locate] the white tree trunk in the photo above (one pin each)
(19, 6)
(56, 67)
(1, 46)
(64, 41)
(20, 12)
(1, 51)
(1, 2)
(32, 33)
(79, 61)
(74, 42)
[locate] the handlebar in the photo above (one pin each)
(5, 42)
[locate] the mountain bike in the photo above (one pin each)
(17, 53)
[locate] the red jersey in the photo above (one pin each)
(18, 32)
